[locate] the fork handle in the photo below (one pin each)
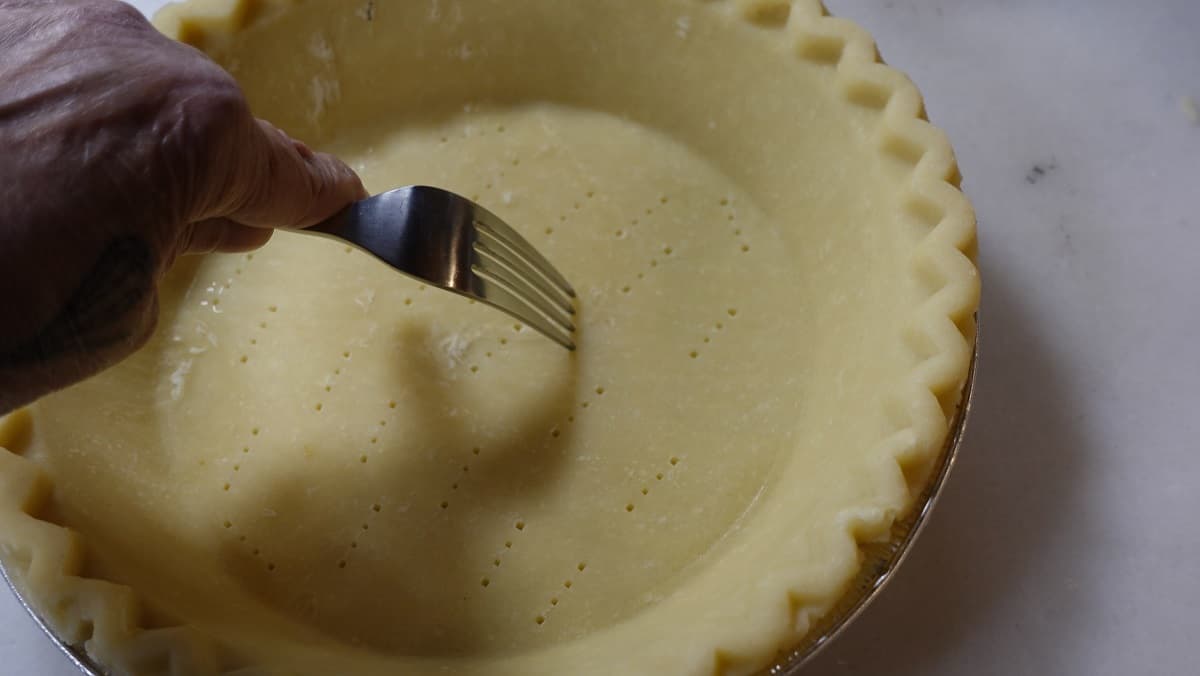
(395, 227)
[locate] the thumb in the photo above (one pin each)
(283, 184)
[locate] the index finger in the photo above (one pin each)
(283, 184)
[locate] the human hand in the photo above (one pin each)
(121, 150)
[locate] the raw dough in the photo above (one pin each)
(332, 468)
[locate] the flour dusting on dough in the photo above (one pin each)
(683, 27)
(324, 89)
(319, 48)
(365, 299)
(208, 336)
(179, 379)
(455, 348)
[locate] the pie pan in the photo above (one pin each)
(880, 562)
(317, 467)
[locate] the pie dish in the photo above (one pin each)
(318, 467)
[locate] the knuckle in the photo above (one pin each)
(203, 131)
(218, 108)
(211, 113)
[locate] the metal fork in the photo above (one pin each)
(454, 244)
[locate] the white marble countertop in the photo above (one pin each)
(1068, 539)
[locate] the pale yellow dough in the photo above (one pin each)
(319, 466)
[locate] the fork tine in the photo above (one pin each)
(495, 293)
(496, 250)
(484, 263)
(489, 223)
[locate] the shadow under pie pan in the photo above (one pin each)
(318, 467)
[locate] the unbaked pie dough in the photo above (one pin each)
(318, 466)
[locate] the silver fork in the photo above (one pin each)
(454, 244)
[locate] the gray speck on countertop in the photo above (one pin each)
(1040, 170)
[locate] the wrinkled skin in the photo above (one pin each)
(121, 150)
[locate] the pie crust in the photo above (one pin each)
(317, 466)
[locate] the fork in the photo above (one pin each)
(454, 244)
